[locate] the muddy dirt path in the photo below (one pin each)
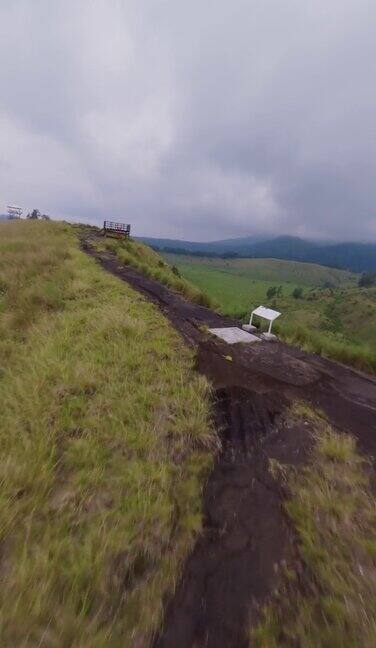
(234, 566)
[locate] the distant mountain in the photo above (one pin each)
(357, 257)
(217, 247)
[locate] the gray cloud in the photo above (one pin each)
(196, 120)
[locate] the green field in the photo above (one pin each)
(239, 284)
(332, 307)
(234, 292)
(270, 270)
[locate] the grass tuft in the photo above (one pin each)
(328, 598)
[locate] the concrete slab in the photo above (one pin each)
(232, 335)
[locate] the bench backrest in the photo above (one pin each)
(122, 228)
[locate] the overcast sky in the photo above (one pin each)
(199, 120)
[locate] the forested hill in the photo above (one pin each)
(358, 257)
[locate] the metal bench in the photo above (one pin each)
(116, 229)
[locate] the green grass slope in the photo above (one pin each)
(104, 438)
(270, 270)
(151, 264)
(334, 317)
(239, 284)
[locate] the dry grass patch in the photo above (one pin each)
(328, 598)
(105, 442)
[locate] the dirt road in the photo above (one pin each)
(233, 567)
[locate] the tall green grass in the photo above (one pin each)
(359, 355)
(150, 264)
(105, 442)
(327, 593)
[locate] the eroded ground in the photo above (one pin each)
(234, 566)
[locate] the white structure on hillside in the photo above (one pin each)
(265, 313)
(14, 212)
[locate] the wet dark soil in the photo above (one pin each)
(234, 566)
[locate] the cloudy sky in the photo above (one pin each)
(199, 120)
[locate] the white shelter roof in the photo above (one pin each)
(266, 313)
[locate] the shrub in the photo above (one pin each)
(204, 300)
(297, 293)
(271, 292)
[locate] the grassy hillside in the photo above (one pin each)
(232, 292)
(238, 284)
(357, 257)
(151, 264)
(344, 313)
(333, 317)
(270, 270)
(104, 437)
